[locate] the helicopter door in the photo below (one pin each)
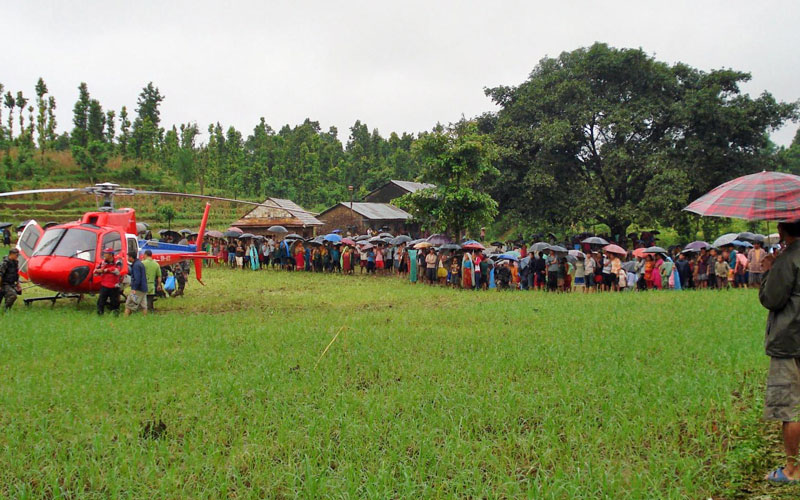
(26, 244)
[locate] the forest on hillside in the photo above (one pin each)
(596, 136)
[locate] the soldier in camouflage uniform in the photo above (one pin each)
(9, 278)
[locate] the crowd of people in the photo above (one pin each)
(587, 267)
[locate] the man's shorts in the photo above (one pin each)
(136, 300)
(783, 390)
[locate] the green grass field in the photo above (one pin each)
(426, 392)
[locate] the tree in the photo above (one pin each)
(10, 103)
(124, 131)
(51, 120)
(96, 122)
(92, 159)
(166, 213)
(110, 127)
(41, 118)
(80, 117)
(458, 161)
(21, 101)
(612, 136)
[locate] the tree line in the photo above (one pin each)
(595, 136)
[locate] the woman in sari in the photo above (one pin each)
(346, 260)
(466, 271)
(649, 265)
(300, 257)
(252, 251)
(657, 281)
(412, 265)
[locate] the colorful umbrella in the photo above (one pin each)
(423, 244)
(348, 241)
(615, 249)
(640, 252)
(472, 245)
(508, 256)
(235, 229)
(761, 196)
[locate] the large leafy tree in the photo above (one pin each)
(613, 136)
(459, 162)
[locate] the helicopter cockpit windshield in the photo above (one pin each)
(73, 242)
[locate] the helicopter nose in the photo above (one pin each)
(58, 273)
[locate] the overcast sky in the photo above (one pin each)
(397, 66)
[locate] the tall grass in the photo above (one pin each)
(426, 392)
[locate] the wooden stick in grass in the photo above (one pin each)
(329, 345)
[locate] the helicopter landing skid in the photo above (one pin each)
(55, 297)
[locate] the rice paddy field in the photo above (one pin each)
(422, 392)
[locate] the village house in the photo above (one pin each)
(279, 212)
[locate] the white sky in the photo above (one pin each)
(397, 66)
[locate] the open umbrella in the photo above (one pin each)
(367, 246)
(22, 225)
(336, 231)
(508, 256)
(772, 239)
(215, 234)
(761, 196)
(497, 243)
(386, 235)
(231, 234)
(332, 237)
(277, 230)
(423, 244)
(577, 254)
(595, 240)
(615, 249)
(697, 246)
(235, 229)
(655, 250)
(746, 236)
(439, 239)
(640, 252)
(472, 245)
(141, 227)
(185, 231)
(246, 235)
(725, 239)
(630, 266)
(744, 244)
(293, 236)
(363, 237)
(450, 247)
(557, 249)
(348, 241)
(539, 247)
(403, 238)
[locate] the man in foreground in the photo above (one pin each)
(137, 299)
(9, 278)
(780, 293)
(109, 272)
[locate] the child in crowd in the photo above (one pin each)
(721, 270)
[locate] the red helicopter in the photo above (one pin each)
(62, 257)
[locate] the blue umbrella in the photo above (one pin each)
(336, 231)
(333, 237)
(508, 256)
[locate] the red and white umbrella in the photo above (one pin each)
(612, 248)
(761, 196)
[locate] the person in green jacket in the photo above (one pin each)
(153, 272)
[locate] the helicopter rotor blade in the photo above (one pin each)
(37, 191)
(217, 198)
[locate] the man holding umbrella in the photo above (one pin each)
(780, 294)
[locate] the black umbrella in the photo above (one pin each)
(450, 246)
(22, 225)
(277, 229)
(386, 235)
(4, 225)
(539, 247)
(558, 249)
(439, 239)
(746, 236)
(185, 231)
(655, 250)
(231, 234)
(169, 233)
(246, 235)
(362, 237)
(293, 236)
